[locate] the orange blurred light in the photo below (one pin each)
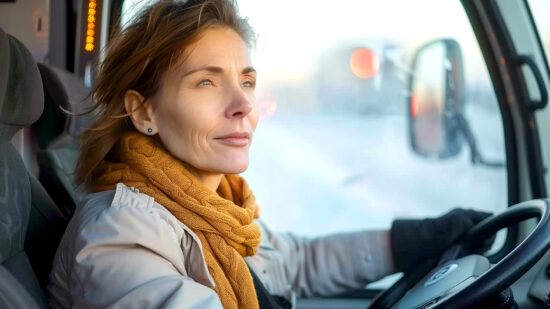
(414, 106)
(502, 60)
(364, 63)
(90, 33)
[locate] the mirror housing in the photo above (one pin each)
(436, 101)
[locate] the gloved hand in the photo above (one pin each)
(415, 240)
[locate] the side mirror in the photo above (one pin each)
(436, 99)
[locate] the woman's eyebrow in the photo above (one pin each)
(248, 70)
(211, 69)
(218, 70)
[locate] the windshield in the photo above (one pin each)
(332, 147)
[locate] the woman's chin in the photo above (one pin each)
(236, 169)
(235, 166)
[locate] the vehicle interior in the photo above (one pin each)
(380, 110)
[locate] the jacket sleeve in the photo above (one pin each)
(333, 264)
(130, 257)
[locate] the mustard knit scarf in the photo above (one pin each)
(223, 222)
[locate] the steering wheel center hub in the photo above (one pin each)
(441, 273)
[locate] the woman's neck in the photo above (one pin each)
(210, 179)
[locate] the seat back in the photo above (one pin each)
(63, 91)
(30, 223)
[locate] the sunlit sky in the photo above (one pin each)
(291, 33)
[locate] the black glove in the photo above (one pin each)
(415, 240)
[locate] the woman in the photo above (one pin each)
(170, 222)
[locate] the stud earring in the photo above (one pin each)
(150, 130)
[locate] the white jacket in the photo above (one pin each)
(124, 250)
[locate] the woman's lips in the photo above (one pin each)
(235, 139)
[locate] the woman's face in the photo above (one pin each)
(205, 110)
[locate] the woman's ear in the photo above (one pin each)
(140, 113)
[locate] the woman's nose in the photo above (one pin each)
(240, 104)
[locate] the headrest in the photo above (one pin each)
(63, 89)
(21, 93)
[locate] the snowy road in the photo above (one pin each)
(321, 174)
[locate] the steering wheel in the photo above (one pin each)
(471, 280)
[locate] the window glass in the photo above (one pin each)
(523, 34)
(539, 10)
(332, 151)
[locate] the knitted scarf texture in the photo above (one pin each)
(223, 221)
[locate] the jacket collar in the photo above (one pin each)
(195, 264)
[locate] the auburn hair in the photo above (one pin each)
(136, 58)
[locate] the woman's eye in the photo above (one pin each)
(249, 84)
(205, 82)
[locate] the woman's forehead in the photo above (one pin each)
(221, 47)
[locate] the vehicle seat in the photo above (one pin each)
(30, 223)
(58, 134)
